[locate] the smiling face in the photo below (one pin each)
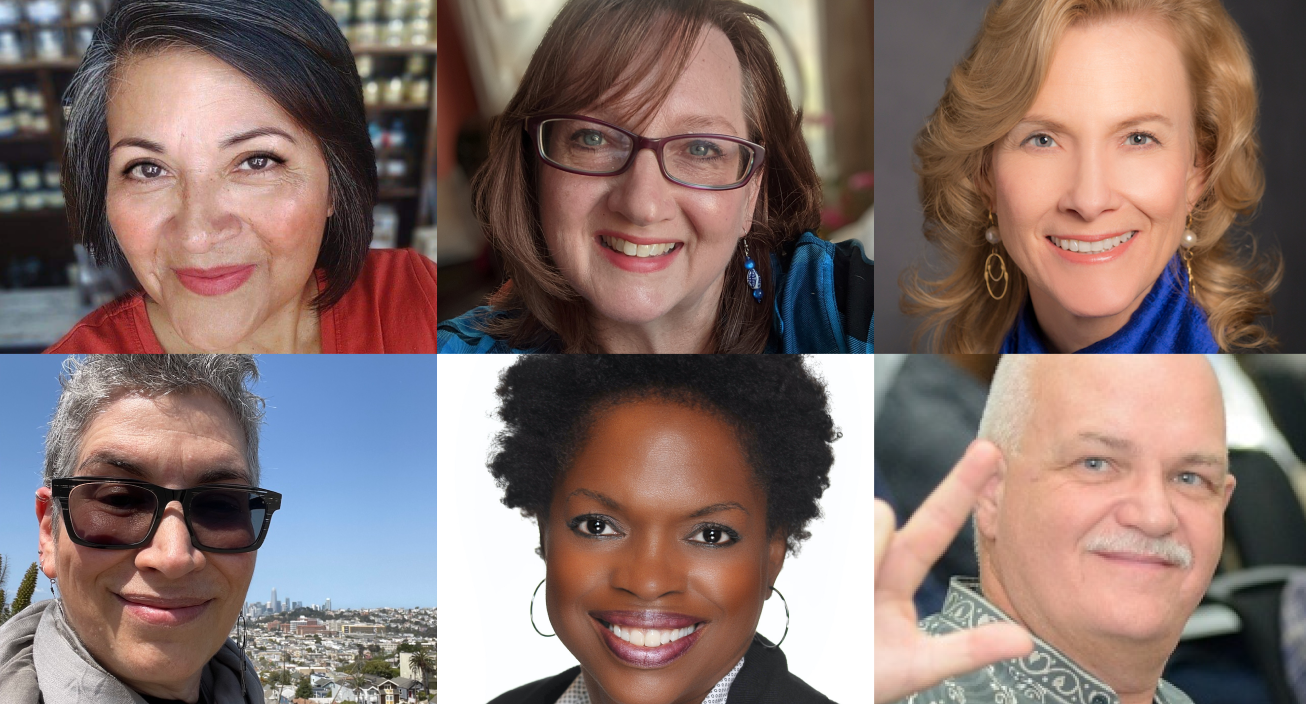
(1093, 187)
(153, 616)
(658, 531)
(217, 198)
(1120, 479)
(585, 219)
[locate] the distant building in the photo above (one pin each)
(399, 689)
(370, 629)
(328, 604)
(274, 605)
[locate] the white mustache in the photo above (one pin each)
(1168, 549)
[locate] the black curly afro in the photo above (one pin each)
(778, 407)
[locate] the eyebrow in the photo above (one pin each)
(209, 476)
(705, 511)
(705, 122)
(1122, 445)
(227, 143)
(1047, 123)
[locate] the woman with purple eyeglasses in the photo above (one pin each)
(648, 189)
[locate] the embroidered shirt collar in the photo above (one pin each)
(577, 694)
(1046, 667)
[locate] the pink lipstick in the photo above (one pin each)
(216, 281)
(648, 639)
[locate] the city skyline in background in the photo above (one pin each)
(349, 441)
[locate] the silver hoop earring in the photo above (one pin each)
(537, 628)
(786, 633)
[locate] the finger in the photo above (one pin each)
(966, 651)
(920, 543)
(885, 525)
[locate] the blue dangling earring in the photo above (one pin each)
(753, 278)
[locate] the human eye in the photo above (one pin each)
(262, 162)
(593, 526)
(1040, 140)
(1095, 464)
(704, 149)
(588, 138)
(714, 534)
(1140, 139)
(143, 171)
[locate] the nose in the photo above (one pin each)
(641, 194)
(1091, 191)
(204, 218)
(649, 569)
(170, 551)
(1147, 507)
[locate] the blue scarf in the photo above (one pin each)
(1168, 321)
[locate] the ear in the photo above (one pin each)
(990, 502)
(1198, 174)
(540, 550)
(775, 559)
(46, 541)
(754, 188)
(1229, 482)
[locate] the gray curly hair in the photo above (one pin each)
(92, 382)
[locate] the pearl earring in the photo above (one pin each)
(991, 234)
(1186, 244)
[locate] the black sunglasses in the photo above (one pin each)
(121, 514)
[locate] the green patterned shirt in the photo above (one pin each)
(1045, 676)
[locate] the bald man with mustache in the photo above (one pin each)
(1098, 488)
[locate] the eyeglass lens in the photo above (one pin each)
(594, 148)
(108, 513)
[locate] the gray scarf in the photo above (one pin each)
(42, 661)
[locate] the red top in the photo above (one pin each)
(390, 309)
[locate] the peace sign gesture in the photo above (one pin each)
(907, 660)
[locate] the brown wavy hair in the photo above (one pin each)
(990, 90)
(583, 59)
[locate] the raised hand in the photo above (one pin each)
(907, 660)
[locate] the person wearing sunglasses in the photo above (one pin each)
(648, 189)
(668, 492)
(150, 518)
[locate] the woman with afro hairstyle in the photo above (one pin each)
(668, 491)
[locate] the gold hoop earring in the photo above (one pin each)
(993, 237)
(1186, 245)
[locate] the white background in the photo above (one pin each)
(488, 567)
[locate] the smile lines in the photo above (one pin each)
(1084, 246)
(631, 249)
(650, 637)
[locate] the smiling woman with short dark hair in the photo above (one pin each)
(668, 492)
(220, 148)
(150, 520)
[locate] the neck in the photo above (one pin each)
(292, 329)
(686, 329)
(1131, 668)
(185, 691)
(1067, 332)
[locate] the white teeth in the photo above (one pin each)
(651, 637)
(1093, 247)
(631, 249)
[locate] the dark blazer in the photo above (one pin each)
(764, 679)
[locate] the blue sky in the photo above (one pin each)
(349, 441)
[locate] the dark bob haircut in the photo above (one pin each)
(778, 408)
(291, 49)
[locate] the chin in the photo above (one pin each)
(215, 327)
(1098, 300)
(629, 307)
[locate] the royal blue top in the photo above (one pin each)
(1168, 321)
(824, 303)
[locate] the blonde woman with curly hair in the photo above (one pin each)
(1081, 175)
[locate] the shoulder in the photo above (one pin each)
(17, 666)
(545, 691)
(765, 679)
(825, 297)
(389, 309)
(121, 326)
(466, 334)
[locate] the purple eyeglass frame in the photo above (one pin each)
(534, 125)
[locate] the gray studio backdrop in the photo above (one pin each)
(918, 41)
